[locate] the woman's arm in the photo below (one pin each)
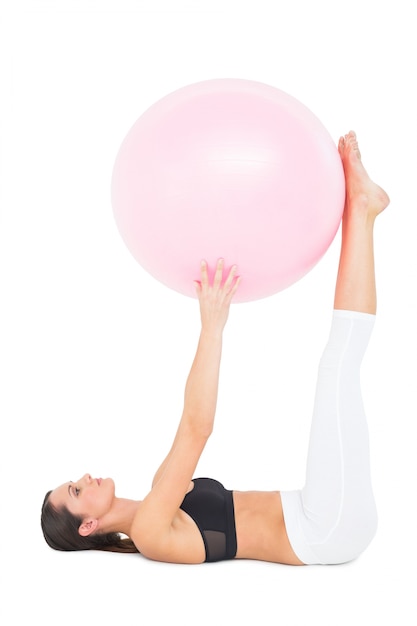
(201, 389)
(152, 530)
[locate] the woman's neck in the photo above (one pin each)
(120, 517)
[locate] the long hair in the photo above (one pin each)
(60, 529)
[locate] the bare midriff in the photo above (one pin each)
(260, 528)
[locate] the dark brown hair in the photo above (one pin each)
(60, 529)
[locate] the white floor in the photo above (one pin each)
(94, 353)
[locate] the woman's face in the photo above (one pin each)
(87, 497)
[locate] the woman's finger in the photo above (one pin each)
(218, 276)
(230, 278)
(204, 273)
(235, 286)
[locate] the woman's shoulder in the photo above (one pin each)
(180, 542)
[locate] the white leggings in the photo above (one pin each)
(333, 518)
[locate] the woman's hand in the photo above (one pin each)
(215, 298)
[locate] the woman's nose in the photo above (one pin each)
(87, 478)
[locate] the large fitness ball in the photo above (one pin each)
(228, 168)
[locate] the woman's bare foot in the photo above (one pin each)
(361, 192)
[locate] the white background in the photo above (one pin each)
(94, 352)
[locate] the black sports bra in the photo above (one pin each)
(211, 507)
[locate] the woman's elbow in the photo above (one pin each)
(200, 428)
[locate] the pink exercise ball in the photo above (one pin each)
(228, 168)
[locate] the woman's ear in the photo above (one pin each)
(88, 526)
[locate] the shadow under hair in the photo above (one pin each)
(60, 529)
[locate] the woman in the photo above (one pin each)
(332, 519)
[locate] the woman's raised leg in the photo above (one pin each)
(333, 518)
